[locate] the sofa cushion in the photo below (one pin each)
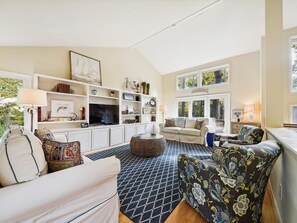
(169, 122)
(44, 134)
(190, 131)
(199, 124)
(172, 129)
(21, 158)
(190, 123)
(61, 155)
(180, 122)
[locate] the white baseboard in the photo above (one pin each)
(275, 204)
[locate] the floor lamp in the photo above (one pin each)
(163, 109)
(33, 98)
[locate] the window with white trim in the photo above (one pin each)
(215, 107)
(293, 114)
(294, 64)
(187, 81)
(10, 112)
(211, 77)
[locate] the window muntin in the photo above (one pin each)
(213, 76)
(294, 65)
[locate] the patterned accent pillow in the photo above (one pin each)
(44, 134)
(199, 124)
(61, 155)
(169, 122)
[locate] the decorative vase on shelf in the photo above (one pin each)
(143, 85)
(147, 88)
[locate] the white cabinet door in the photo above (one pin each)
(130, 130)
(100, 138)
(140, 129)
(84, 137)
(117, 135)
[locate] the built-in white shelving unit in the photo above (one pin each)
(136, 112)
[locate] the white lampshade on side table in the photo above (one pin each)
(33, 98)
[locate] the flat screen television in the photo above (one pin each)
(101, 114)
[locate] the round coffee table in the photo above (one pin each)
(147, 145)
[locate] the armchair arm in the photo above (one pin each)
(60, 195)
(204, 130)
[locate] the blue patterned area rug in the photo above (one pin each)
(148, 187)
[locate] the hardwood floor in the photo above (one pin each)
(184, 213)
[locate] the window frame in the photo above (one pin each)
(199, 74)
(27, 80)
(291, 113)
(227, 66)
(290, 61)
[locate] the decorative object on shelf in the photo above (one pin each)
(148, 88)
(146, 110)
(137, 98)
(83, 113)
(153, 111)
(73, 116)
(85, 69)
(130, 86)
(153, 118)
(32, 98)
(250, 109)
(63, 88)
(143, 86)
(94, 91)
(124, 112)
(163, 109)
(130, 109)
(129, 97)
(84, 125)
(111, 93)
(153, 102)
(62, 108)
(129, 121)
(237, 114)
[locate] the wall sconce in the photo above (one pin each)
(250, 109)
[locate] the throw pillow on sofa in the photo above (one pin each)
(199, 124)
(190, 123)
(169, 122)
(44, 134)
(21, 158)
(61, 155)
(180, 122)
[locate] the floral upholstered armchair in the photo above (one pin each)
(230, 187)
(248, 135)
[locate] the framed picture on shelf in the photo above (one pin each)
(85, 69)
(62, 108)
(129, 97)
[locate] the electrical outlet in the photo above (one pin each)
(280, 191)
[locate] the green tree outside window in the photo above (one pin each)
(10, 112)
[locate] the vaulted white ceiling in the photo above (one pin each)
(229, 28)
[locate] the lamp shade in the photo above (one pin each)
(249, 108)
(163, 108)
(31, 97)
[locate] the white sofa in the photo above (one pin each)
(185, 131)
(84, 193)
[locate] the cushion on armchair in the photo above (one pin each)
(230, 187)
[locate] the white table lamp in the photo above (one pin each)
(33, 98)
